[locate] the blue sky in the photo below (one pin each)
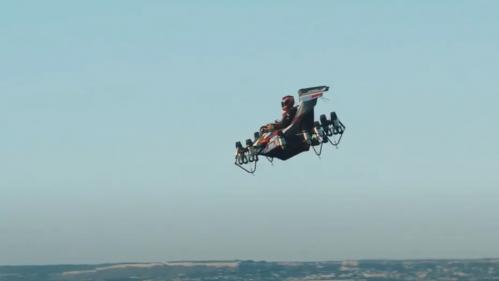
(119, 121)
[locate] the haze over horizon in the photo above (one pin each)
(119, 120)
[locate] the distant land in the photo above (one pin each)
(372, 270)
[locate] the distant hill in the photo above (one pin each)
(374, 270)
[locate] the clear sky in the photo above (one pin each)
(118, 121)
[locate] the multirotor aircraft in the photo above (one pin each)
(300, 135)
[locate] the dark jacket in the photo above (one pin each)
(287, 118)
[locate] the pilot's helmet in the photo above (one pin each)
(287, 102)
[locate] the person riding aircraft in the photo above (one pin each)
(297, 131)
(288, 114)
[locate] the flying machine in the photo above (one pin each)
(303, 133)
